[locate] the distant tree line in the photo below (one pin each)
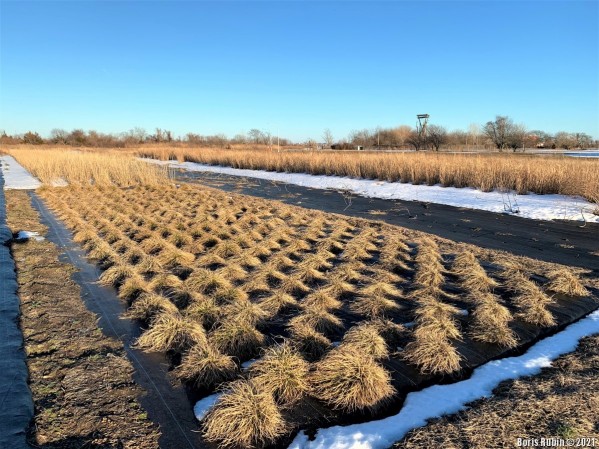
(501, 133)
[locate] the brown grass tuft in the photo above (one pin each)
(245, 416)
(282, 372)
(149, 305)
(206, 367)
(566, 282)
(432, 354)
(237, 338)
(365, 339)
(350, 380)
(317, 319)
(172, 332)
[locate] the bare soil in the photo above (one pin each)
(561, 402)
(81, 381)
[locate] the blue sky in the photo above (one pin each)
(297, 67)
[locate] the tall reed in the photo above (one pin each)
(505, 171)
(80, 168)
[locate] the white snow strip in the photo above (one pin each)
(246, 365)
(538, 207)
(15, 175)
(440, 400)
(26, 235)
(204, 405)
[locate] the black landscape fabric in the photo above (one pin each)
(16, 406)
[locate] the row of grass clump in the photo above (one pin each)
(321, 302)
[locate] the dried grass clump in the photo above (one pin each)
(172, 332)
(432, 354)
(133, 287)
(244, 416)
(431, 350)
(308, 341)
(349, 380)
(204, 310)
(374, 306)
(276, 302)
(321, 300)
(283, 372)
(366, 339)
(237, 338)
(566, 282)
(205, 367)
(173, 256)
(490, 324)
(245, 311)
(317, 319)
(437, 318)
(206, 281)
(472, 275)
(116, 275)
(149, 305)
(531, 302)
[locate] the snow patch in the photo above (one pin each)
(440, 400)
(533, 206)
(246, 365)
(15, 175)
(26, 235)
(204, 405)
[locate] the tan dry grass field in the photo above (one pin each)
(336, 310)
(522, 173)
(518, 172)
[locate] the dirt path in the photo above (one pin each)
(80, 379)
(562, 242)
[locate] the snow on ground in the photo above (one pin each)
(538, 207)
(204, 405)
(15, 176)
(246, 365)
(440, 400)
(26, 235)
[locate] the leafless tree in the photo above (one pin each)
(327, 138)
(499, 131)
(436, 136)
(416, 141)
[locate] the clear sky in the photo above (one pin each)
(297, 67)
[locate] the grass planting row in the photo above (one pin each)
(334, 313)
